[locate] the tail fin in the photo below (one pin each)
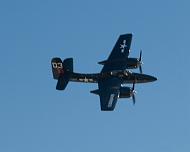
(62, 71)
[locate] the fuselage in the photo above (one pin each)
(125, 76)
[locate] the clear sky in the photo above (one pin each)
(34, 117)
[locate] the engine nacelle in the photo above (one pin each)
(132, 63)
(125, 92)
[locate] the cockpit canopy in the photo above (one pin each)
(121, 72)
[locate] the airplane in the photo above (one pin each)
(112, 77)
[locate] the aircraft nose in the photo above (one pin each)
(147, 78)
(151, 78)
(143, 78)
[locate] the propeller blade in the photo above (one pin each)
(140, 58)
(133, 88)
(133, 92)
(140, 62)
(134, 100)
(140, 69)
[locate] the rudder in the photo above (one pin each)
(57, 67)
(61, 71)
(68, 64)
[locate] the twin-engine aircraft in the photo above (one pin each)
(112, 76)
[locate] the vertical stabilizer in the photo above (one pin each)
(62, 71)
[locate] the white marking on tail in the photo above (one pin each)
(57, 65)
(123, 46)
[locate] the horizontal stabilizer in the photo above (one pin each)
(102, 62)
(97, 92)
(62, 82)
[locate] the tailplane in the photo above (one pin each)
(62, 71)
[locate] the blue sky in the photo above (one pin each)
(34, 117)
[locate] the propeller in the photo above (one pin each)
(140, 62)
(133, 92)
(134, 100)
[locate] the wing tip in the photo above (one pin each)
(126, 35)
(107, 109)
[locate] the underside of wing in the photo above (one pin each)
(108, 92)
(108, 99)
(119, 54)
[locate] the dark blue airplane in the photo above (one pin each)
(112, 76)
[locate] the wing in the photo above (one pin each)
(119, 53)
(108, 92)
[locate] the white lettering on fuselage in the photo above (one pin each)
(85, 80)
